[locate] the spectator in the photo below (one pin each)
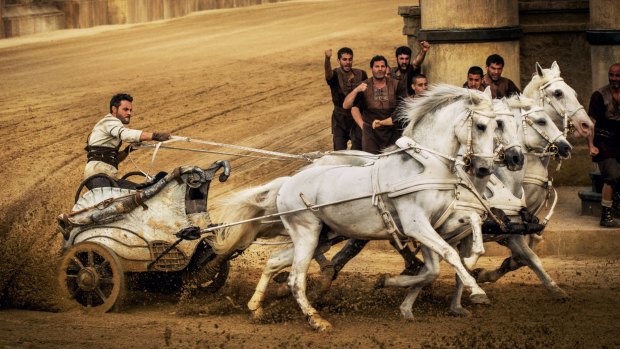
(500, 86)
(605, 143)
(372, 104)
(405, 69)
(474, 78)
(342, 81)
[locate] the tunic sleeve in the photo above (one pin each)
(597, 106)
(117, 130)
(333, 82)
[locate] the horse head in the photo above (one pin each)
(539, 134)
(559, 100)
(477, 132)
(508, 136)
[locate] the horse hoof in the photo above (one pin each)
(319, 324)
(460, 312)
(407, 314)
(329, 272)
(381, 281)
(479, 274)
(559, 295)
(258, 315)
(480, 298)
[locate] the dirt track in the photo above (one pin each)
(253, 77)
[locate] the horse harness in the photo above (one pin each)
(566, 115)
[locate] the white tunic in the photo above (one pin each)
(109, 132)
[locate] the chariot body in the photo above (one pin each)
(114, 235)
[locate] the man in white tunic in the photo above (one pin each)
(105, 140)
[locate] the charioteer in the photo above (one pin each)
(105, 140)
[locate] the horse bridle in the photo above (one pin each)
(527, 120)
(568, 125)
(500, 151)
(469, 153)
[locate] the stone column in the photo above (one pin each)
(464, 33)
(604, 38)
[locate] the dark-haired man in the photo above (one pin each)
(405, 68)
(104, 141)
(372, 104)
(605, 149)
(500, 86)
(342, 81)
(474, 78)
(419, 84)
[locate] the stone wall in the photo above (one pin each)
(556, 31)
(23, 17)
(550, 31)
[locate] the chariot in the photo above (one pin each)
(114, 234)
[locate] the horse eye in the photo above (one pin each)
(481, 127)
(557, 94)
(541, 122)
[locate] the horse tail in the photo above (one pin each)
(249, 203)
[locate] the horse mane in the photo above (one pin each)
(537, 81)
(520, 101)
(412, 110)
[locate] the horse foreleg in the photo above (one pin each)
(456, 308)
(431, 270)
(526, 256)
(420, 228)
(534, 240)
(428, 273)
(477, 246)
(277, 261)
(412, 263)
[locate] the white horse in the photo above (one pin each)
(464, 219)
(560, 102)
(415, 187)
(538, 135)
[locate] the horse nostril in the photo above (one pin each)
(484, 171)
(585, 126)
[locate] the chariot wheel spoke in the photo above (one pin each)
(106, 281)
(78, 262)
(91, 258)
(101, 295)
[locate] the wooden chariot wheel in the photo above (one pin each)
(91, 275)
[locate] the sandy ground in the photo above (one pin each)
(254, 77)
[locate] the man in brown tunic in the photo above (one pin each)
(341, 81)
(605, 147)
(500, 86)
(372, 104)
(405, 68)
